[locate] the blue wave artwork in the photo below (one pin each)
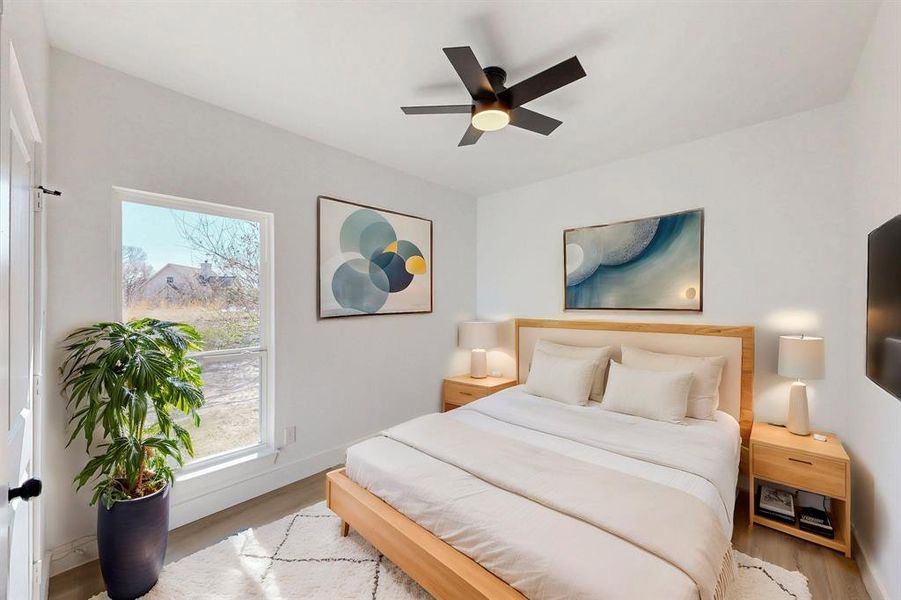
(646, 264)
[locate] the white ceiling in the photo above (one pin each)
(659, 73)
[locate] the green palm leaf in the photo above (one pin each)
(115, 377)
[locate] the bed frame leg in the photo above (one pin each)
(345, 528)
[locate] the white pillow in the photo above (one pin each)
(658, 395)
(561, 378)
(704, 395)
(601, 355)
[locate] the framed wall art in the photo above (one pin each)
(655, 263)
(372, 261)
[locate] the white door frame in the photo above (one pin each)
(17, 120)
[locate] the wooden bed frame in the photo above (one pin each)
(447, 573)
(442, 570)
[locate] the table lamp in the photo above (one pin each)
(478, 336)
(800, 357)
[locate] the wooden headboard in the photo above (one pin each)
(736, 343)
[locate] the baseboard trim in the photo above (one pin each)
(72, 554)
(225, 494)
(44, 591)
(870, 578)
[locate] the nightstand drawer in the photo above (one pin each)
(799, 469)
(462, 394)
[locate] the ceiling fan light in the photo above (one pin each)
(490, 119)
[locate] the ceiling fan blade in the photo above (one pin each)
(470, 71)
(533, 121)
(471, 136)
(445, 109)
(543, 83)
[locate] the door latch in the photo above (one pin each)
(48, 192)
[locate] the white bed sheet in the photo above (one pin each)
(541, 552)
(724, 431)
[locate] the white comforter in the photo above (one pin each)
(541, 552)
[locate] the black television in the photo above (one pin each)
(884, 306)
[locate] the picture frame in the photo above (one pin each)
(372, 261)
(649, 264)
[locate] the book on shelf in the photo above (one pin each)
(816, 520)
(776, 504)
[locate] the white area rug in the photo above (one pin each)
(304, 556)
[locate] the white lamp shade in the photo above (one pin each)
(478, 334)
(802, 357)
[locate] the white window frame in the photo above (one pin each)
(265, 350)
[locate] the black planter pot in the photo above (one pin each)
(131, 539)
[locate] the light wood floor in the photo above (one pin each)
(831, 575)
(85, 581)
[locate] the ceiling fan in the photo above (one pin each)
(494, 106)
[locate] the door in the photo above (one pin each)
(19, 331)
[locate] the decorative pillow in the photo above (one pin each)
(601, 355)
(561, 378)
(704, 395)
(658, 395)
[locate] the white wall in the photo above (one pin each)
(873, 433)
(23, 25)
(336, 380)
(775, 200)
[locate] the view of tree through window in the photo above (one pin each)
(204, 270)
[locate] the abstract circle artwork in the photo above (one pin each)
(372, 261)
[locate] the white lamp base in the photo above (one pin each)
(478, 364)
(798, 417)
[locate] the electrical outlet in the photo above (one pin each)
(290, 435)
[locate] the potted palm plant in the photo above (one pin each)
(127, 385)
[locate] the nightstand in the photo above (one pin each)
(463, 389)
(803, 463)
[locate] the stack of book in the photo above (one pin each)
(777, 504)
(816, 521)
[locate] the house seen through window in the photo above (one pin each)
(192, 265)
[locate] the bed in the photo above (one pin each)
(518, 496)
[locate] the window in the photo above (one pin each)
(206, 265)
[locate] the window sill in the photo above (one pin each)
(256, 456)
(214, 485)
